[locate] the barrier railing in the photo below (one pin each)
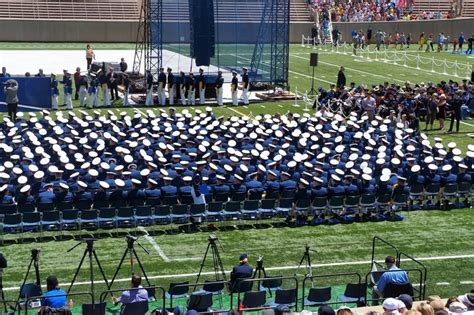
(424, 271)
(5, 306)
(29, 299)
(244, 282)
(152, 292)
(333, 275)
(193, 286)
(376, 239)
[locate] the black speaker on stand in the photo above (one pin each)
(313, 62)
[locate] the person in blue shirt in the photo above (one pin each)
(393, 274)
(134, 295)
(54, 298)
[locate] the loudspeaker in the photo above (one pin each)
(313, 60)
(202, 29)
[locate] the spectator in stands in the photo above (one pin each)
(436, 304)
(407, 300)
(4, 73)
(326, 310)
(393, 274)
(40, 74)
(468, 300)
(11, 97)
(344, 310)
(54, 298)
(425, 309)
(241, 271)
(135, 294)
(391, 306)
(90, 55)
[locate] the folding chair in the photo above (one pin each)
(394, 290)
(432, 194)
(170, 200)
(87, 204)
(354, 293)
(400, 201)
(177, 290)
(26, 207)
(180, 214)
(153, 202)
(254, 299)
(416, 192)
(250, 210)
(98, 204)
(51, 220)
(45, 206)
(143, 215)
(267, 209)
(65, 205)
(200, 302)
(186, 199)
(239, 196)
(70, 219)
(8, 209)
(197, 212)
(336, 204)
(288, 193)
(450, 191)
(126, 217)
(302, 206)
(222, 197)
(351, 204)
(94, 309)
(106, 217)
(367, 203)
(319, 205)
(383, 204)
(271, 284)
(12, 223)
(162, 215)
(284, 207)
(89, 219)
(232, 211)
(214, 211)
(464, 191)
(31, 222)
(317, 297)
(136, 308)
(285, 297)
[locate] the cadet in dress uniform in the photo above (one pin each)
(245, 86)
(82, 90)
(54, 92)
(190, 88)
(126, 87)
(182, 87)
(93, 92)
(233, 88)
(162, 87)
(149, 89)
(5, 198)
(171, 86)
(47, 195)
(67, 88)
(197, 180)
(202, 87)
(219, 88)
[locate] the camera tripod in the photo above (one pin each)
(259, 271)
(216, 259)
(307, 260)
(35, 263)
(130, 250)
(89, 251)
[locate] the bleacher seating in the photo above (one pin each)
(431, 6)
(468, 8)
(70, 10)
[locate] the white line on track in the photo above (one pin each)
(154, 244)
(346, 263)
(442, 283)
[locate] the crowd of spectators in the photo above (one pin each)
(368, 11)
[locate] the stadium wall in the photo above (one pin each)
(125, 31)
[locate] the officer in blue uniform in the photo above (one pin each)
(136, 194)
(63, 195)
(168, 190)
(47, 195)
(5, 198)
(254, 187)
(82, 194)
(24, 196)
(101, 194)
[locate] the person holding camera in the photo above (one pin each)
(11, 97)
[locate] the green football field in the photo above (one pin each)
(442, 239)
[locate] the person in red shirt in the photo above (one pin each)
(77, 78)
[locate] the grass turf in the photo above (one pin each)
(422, 234)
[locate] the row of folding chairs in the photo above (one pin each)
(434, 191)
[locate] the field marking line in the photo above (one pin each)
(465, 123)
(346, 263)
(466, 282)
(154, 244)
(236, 111)
(442, 283)
(352, 69)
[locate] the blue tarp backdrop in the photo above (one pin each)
(33, 93)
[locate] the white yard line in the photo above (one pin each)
(345, 263)
(154, 244)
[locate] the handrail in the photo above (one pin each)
(375, 238)
(56, 295)
(359, 278)
(258, 280)
(194, 285)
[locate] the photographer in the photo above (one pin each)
(11, 97)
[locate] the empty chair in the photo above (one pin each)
(30, 290)
(31, 221)
(12, 223)
(285, 297)
(143, 215)
(211, 286)
(214, 211)
(284, 207)
(70, 219)
(271, 283)
(354, 293)
(317, 296)
(254, 299)
(88, 219)
(180, 214)
(200, 302)
(106, 217)
(197, 212)
(162, 215)
(267, 209)
(125, 217)
(177, 290)
(250, 209)
(232, 210)
(51, 220)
